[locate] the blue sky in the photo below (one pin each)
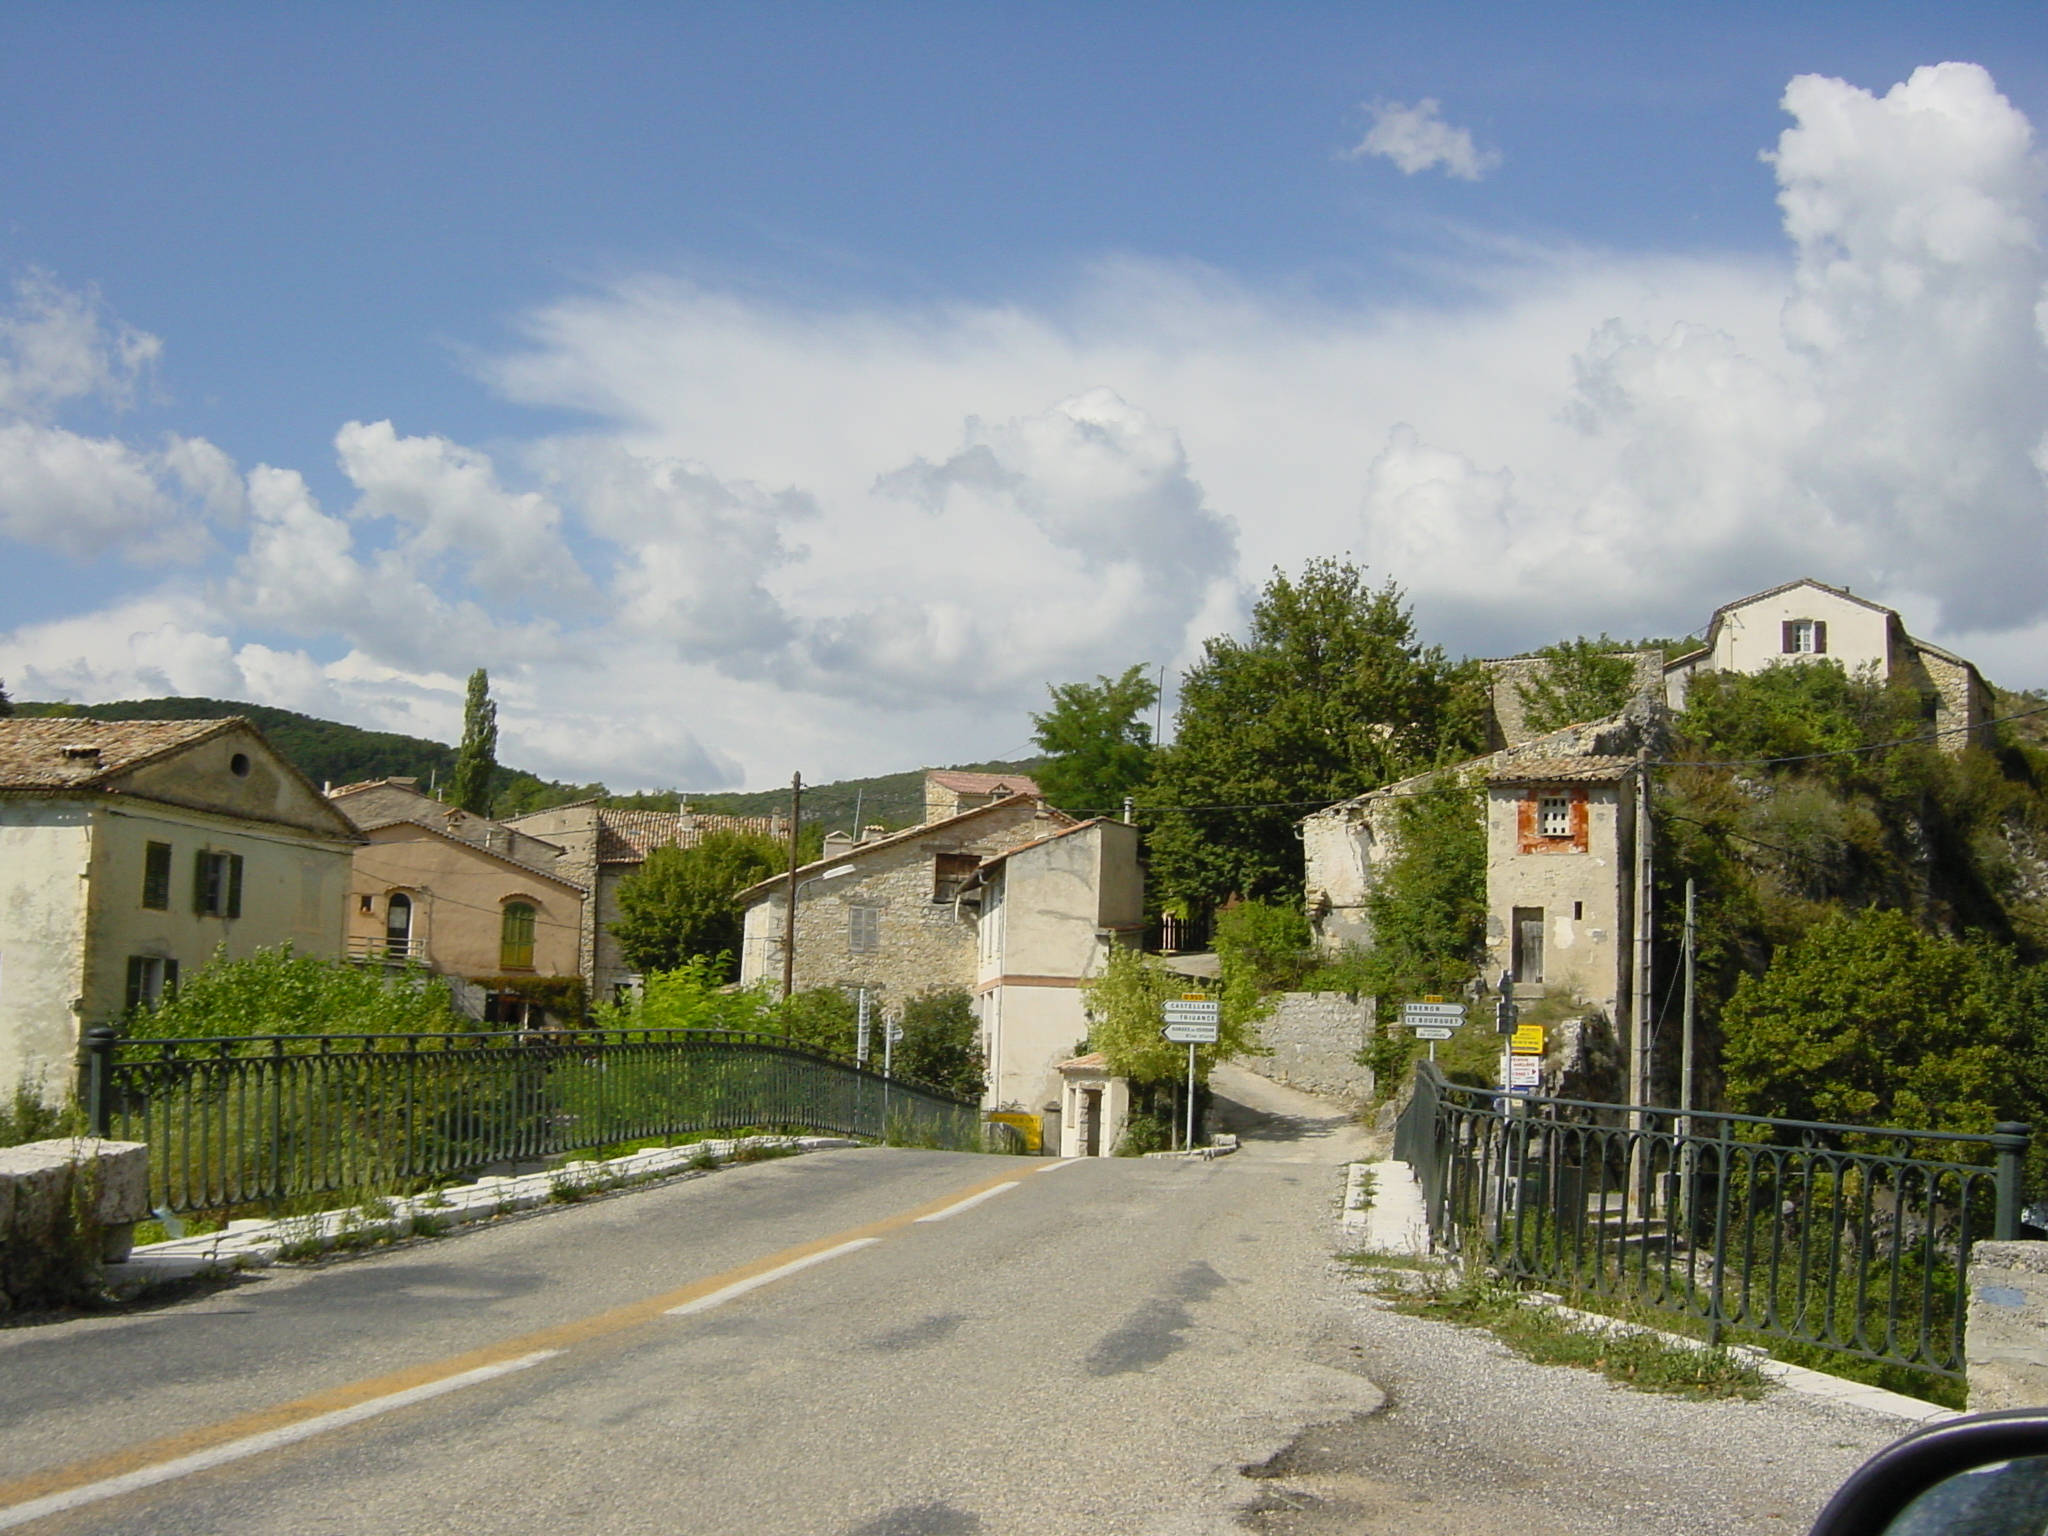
(759, 387)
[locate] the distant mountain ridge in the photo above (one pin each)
(328, 752)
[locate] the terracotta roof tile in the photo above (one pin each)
(1560, 770)
(983, 783)
(627, 837)
(78, 754)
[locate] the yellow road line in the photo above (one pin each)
(115, 1472)
(254, 1445)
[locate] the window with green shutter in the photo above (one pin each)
(156, 876)
(515, 937)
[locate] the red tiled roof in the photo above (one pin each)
(627, 837)
(1559, 770)
(982, 783)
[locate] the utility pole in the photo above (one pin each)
(1637, 1201)
(1685, 1061)
(1639, 999)
(796, 806)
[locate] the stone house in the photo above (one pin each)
(895, 923)
(1048, 912)
(130, 852)
(1807, 620)
(949, 791)
(464, 896)
(1560, 861)
(601, 847)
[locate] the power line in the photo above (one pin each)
(1882, 746)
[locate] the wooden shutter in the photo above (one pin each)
(156, 876)
(137, 970)
(234, 908)
(202, 883)
(1788, 637)
(1820, 637)
(170, 977)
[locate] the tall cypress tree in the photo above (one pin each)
(476, 760)
(6, 704)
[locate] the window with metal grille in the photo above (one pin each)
(156, 876)
(515, 937)
(1554, 815)
(217, 885)
(864, 930)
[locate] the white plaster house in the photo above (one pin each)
(1807, 620)
(601, 847)
(1094, 1105)
(464, 896)
(129, 852)
(1049, 911)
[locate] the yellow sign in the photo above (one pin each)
(1528, 1040)
(1194, 997)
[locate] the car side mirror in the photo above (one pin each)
(1985, 1474)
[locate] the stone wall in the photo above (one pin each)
(66, 1207)
(1315, 1038)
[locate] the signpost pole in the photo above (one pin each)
(1189, 1145)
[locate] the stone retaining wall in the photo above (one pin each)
(66, 1207)
(1315, 1038)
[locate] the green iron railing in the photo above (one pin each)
(264, 1120)
(1852, 1238)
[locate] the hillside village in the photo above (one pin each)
(138, 851)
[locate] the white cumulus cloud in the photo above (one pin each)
(1417, 139)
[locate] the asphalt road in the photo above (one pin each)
(778, 1348)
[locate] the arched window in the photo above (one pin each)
(515, 937)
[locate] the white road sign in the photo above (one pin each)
(1193, 1009)
(1434, 1031)
(1414, 1011)
(1525, 1073)
(1192, 1032)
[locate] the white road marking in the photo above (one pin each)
(726, 1293)
(971, 1200)
(255, 1445)
(1063, 1163)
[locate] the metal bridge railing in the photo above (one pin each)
(263, 1120)
(1852, 1238)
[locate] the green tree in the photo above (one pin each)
(941, 1043)
(1582, 680)
(1126, 1014)
(679, 904)
(1427, 911)
(6, 704)
(1266, 947)
(1329, 696)
(476, 760)
(1097, 744)
(279, 992)
(1869, 1020)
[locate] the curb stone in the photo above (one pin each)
(259, 1244)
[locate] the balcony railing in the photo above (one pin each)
(377, 949)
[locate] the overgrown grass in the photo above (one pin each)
(26, 1116)
(1632, 1358)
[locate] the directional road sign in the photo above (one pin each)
(1191, 1032)
(1192, 1008)
(1434, 1031)
(1414, 1012)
